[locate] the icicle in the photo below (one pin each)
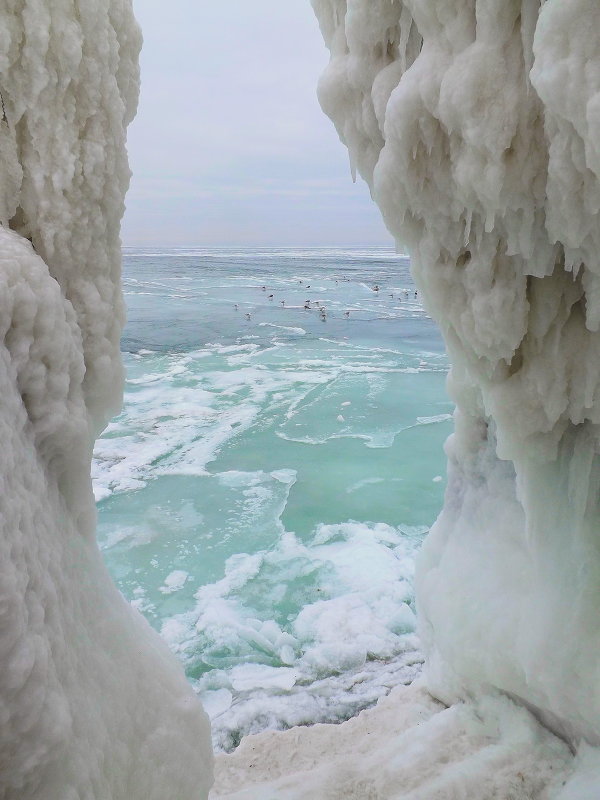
(406, 23)
(495, 122)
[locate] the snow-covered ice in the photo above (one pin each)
(409, 747)
(92, 703)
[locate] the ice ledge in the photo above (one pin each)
(409, 747)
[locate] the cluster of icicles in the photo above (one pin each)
(476, 124)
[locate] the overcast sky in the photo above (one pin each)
(230, 146)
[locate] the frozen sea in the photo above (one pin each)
(263, 494)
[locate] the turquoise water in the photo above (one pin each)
(262, 495)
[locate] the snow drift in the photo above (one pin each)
(91, 703)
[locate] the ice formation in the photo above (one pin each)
(476, 124)
(91, 703)
(407, 748)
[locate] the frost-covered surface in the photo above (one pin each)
(91, 703)
(476, 125)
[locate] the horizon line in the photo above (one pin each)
(272, 246)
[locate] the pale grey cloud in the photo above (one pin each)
(230, 145)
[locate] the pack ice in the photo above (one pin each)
(91, 703)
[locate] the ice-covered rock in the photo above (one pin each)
(476, 123)
(92, 704)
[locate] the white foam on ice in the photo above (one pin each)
(180, 418)
(183, 408)
(355, 487)
(247, 677)
(287, 329)
(174, 581)
(432, 420)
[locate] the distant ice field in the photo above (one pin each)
(263, 493)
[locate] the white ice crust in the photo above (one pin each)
(92, 705)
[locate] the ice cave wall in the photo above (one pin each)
(91, 703)
(476, 124)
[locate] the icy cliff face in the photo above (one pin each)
(91, 704)
(476, 124)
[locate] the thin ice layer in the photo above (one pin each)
(476, 125)
(91, 703)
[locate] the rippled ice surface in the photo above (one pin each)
(262, 495)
